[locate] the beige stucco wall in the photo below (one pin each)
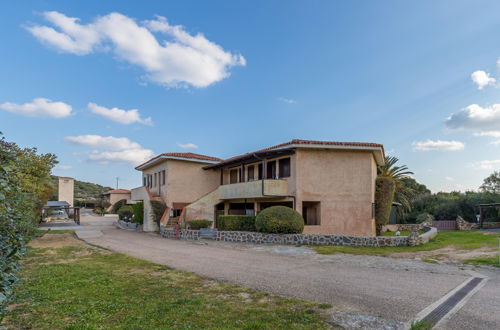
(115, 197)
(344, 183)
(66, 190)
(188, 181)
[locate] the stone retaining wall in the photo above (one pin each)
(128, 225)
(404, 227)
(491, 225)
(184, 233)
(309, 239)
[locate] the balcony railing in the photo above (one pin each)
(254, 189)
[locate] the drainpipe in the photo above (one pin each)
(263, 178)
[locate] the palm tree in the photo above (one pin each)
(403, 193)
(390, 187)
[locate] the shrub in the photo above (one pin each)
(118, 205)
(236, 222)
(199, 224)
(279, 220)
(425, 217)
(158, 209)
(138, 209)
(125, 213)
(384, 195)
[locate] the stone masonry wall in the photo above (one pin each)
(309, 239)
(302, 239)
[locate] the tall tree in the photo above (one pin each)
(390, 186)
(492, 183)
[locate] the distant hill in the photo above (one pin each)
(83, 190)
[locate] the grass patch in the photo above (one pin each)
(464, 239)
(421, 325)
(84, 287)
(489, 261)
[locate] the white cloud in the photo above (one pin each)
(132, 156)
(449, 178)
(39, 107)
(482, 79)
(117, 150)
(177, 59)
(289, 101)
(187, 145)
(120, 116)
(486, 164)
(475, 117)
(438, 145)
(63, 167)
(103, 142)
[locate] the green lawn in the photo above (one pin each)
(465, 239)
(82, 287)
(490, 261)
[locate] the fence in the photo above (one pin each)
(445, 224)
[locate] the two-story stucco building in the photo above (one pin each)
(332, 184)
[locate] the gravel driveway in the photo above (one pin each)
(394, 289)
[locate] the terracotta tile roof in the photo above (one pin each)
(117, 191)
(187, 155)
(309, 142)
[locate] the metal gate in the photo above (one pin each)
(445, 224)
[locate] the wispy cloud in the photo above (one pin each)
(177, 59)
(103, 142)
(482, 79)
(438, 145)
(449, 178)
(286, 100)
(39, 107)
(63, 167)
(486, 164)
(187, 145)
(125, 117)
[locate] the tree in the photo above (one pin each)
(391, 186)
(492, 183)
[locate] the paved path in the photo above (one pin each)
(390, 288)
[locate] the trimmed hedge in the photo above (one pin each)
(138, 209)
(236, 222)
(199, 224)
(279, 220)
(158, 209)
(118, 205)
(125, 213)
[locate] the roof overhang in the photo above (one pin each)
(377, 152)
(162, 158)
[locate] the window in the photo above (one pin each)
(284, 167)
(311, 213)
(259, 167)
(233, 176)
(163, 177)
(175, 213)
(144, 181)
(155, 180)
(250, 173)
(271, 170)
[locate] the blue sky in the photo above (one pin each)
(235, 76)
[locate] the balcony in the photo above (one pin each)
(253, 189)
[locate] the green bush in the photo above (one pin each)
(199, 224)
(125, 213)
(236, 222)
(118, 205)
(158, 209)
(425, 217)
(138, 209)
(279, 220)
(384, 195)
